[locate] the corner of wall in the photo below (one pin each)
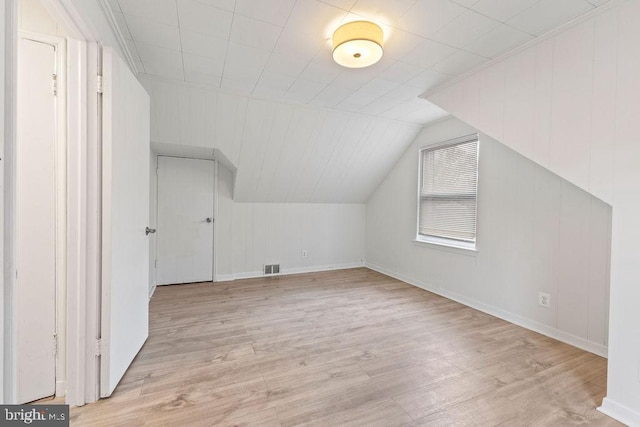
(619, 412)
(533, 236)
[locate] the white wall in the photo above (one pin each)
(572, 103)
(94, 17)
(554, 102)
(269, 142)
(249, 235)
(223, 238)
(536, 232)
(34, 17)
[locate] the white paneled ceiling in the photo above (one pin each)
(281, 49)
(255, 81)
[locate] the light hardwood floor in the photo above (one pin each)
(351, 347)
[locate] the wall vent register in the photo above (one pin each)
(271, 269)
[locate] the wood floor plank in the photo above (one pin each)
(348, 348)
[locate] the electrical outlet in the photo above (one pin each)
(544, 299)
(305, 254)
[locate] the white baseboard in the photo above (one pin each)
(223, 278)
(152, 290)
(516, 319)
(61, 388)
(248, 275)
(287, 271)
(330, 267)
(620, 412)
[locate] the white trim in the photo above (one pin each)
(66, 12)
(439, 242)
(90, 325)
(76, 214)
(461, 250)
(2, 288)
(107, 224)
(61, 385)
(108, 13)
(153, 255)
(620, 412)
(599, 349)
(319, 268)
(82, 191)
(216, 277)
(61, 217)
(253, 275)
(223, 278)
(10, 27)
(472, 137)
(288, 271)
(533, 42)
(82, 215)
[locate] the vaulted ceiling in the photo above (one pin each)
(275, 55)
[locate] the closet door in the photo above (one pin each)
(185, 220)
(36, 221)
(125, 216)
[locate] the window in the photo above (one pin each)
(448, 189)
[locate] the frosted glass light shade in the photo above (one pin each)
(357, 44)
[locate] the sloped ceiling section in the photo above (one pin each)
(255, 80)
(283, 152)
(556, 101)
(281, 49)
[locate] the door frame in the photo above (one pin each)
(214, 210)
(60, 171)
(82, 199)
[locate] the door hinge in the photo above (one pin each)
(98, 346)
(54, 77)
(99, 83)
(55, 344)
(156, 264)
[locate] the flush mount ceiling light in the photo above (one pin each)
(357, 44)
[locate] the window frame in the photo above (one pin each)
(439, 240)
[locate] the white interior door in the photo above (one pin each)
(125, 215)
(185, 220)
(35, 221)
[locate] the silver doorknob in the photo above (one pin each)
(209, 220)
(148, 231)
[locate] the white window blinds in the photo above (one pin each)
(448, 187)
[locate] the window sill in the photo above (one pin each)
(447, 245)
